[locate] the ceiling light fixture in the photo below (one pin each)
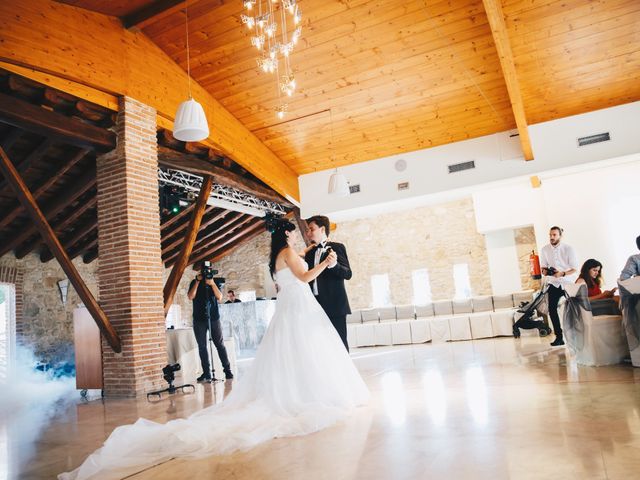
(270, 19)
(338, 184)
(190, 124)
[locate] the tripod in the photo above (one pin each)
(211, 344)
(169, 376)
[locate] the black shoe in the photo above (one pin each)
(228, 375)
(558, 342)
(204, 378)
(516, 332)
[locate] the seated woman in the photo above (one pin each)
(606, 302)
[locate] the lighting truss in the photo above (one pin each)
(230, 198)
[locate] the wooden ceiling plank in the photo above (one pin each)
(248, 236)
(29, 203)
(35, 155)
(256, 224)
(78, 234)
(173, 240)
(177, 271)
(167, 223)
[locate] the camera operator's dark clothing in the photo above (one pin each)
(204, 296)
(555, 294)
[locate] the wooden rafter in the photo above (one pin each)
(171, 242)
(493, 8)
(152, 13)
(29, 203)
(302, 225)
(17, 209)
(91, 255)
(187, 246)
(78, 234)
(35, 155)
(84, 184)
(60, 225)
(256, 225)
(247, 236)
(192, 164)
(173, 219)
(33, 118)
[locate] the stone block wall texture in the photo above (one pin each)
(525, 242)
(129, 263)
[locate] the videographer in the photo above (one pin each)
(205, 295)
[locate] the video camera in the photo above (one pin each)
(168, 372)
(551, 271)
(207, 271)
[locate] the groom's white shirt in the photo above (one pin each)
(322, 247)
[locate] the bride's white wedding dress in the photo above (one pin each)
(301, 381)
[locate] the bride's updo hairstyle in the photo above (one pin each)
(278, 228)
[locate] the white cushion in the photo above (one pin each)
(420, 331)
(382, 333)
(405, 312)
(351, 335)
(502, 323)
(370, 315)
(387, 314)
(440, 329)
(401, 332)
(462, 306)
(459, 328)
(354, 317)
(502, 301)
(443, 307)
(482, 304)
(364, 335)
(480, 324)
(423, 311)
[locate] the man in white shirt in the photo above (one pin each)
(560, 265)
(632, 267)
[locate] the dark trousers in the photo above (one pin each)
(555, 294)
(340, 324)
(200, 328)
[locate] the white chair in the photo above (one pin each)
(365, 332)
(502, 323)
(424, 311)
(604, 342)
(632, 285)
(401, 329)
(501, 302)
(459, 328)
(382, 330)
(442, 307)
(462, 306)
(480, 324)
(351, 335)
(440, 331)
(420, 330)
(482, 304)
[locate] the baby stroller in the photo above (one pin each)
(528, 315)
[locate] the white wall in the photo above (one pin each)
(598, 210)
(503, 262)
(497, 158)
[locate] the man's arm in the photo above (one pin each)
(216, 291)
(341, 269)
(630, 268)
(193, 288)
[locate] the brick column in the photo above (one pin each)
(129, 261)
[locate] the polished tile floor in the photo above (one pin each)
(494, 408)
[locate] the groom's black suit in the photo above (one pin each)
(332, 295)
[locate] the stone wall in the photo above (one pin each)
(525, 243)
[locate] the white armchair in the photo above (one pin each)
(601, 340)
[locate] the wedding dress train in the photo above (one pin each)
(302, 380)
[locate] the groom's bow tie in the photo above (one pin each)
(322, 245)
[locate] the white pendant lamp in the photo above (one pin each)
(338, 185)
(190, 124)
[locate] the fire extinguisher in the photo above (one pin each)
(534, 266)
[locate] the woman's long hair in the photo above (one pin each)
(584, 273)
(278, 228)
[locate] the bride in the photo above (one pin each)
(301, 381)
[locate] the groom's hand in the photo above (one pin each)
(332, 259)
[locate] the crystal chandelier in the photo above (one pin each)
(275, 31)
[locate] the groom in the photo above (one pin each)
(328, 288)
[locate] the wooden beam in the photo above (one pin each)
(192, 164)
(192, 232)
(125, 62)
(23, 250)
(179, 216)
(302, 225)
(35, 155)
(210, 253)
(86, 182)
(204, 254)
(17, 209)
(78, 234)
(91, 255)
(167, 247)
(205, 236)
(250, 234)
(10, 138)
(44, 122)
(29, 203)
(151, 13)
(493, 8)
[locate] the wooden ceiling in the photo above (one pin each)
(52, 138)
(396, 76)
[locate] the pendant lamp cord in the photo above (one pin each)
(186, 23)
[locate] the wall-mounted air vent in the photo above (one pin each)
(459, 167)
(354, 188)
(403, 186)
(600, 137)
